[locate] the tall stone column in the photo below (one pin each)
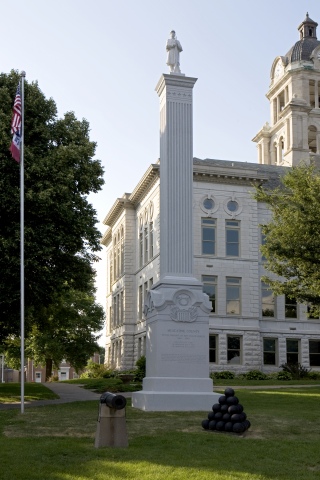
(176, 310)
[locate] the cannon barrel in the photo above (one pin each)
(118, 402)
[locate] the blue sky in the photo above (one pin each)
(102, 59)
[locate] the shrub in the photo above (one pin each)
(140, 373)
(104, 385)
(96, 370)
(225, 375)
(284, 375)
(314, 375)
(255, 375)
(296, 369)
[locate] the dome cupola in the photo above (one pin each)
(302, 49)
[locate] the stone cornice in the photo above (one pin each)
(212, 173)
(145, 183)
(116, 209)
(130, 200)
(227, 174)
(106, 238)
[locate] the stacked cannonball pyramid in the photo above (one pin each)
(227, 415)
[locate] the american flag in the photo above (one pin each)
(16, 126)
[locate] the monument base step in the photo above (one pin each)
(174, 401)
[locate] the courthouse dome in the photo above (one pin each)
(302, 49)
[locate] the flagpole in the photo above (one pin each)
(23, 74)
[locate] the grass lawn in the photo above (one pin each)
(10, 392)
(56, 442)
(261, 383)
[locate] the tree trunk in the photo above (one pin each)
(48, 368)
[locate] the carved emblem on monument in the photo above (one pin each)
(183, 311)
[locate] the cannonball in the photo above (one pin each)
(232, 400)
(220, 426)
(229, 392)
(210, 416)
(216, 407)
(238, 427)
(244, 416)
(224, 408)
(223, 399)
(226, 417)
(218, 416)
(236, 418)
(212, 425)
(205, 424)
(234, 409)
(228, 427)
(240, 408)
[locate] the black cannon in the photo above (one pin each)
(118, 402)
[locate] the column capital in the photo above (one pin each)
(174, 81)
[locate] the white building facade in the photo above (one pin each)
(249, 328)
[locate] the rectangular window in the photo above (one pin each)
(311, 313)
(232, 238)
(290, 307)
(140, 299)
(114, 312)
(141, 248)
(145, 291)
(234, 349)
(118, 309)
(267, 301)
(150, 283)
(110, 319)
(314, 353)
(121, 307)
(269, 351)
(115, 262)
(208, 229)
(292, 351)
(233, 295)
(210, 287)
(139, 347)
(122, 253)
(151, 238)
(212, 348)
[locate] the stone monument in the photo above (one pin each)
(176, 310)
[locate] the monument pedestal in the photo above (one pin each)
(177, 367)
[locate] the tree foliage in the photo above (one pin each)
(61, 238)
(67, 332)
(292, 247)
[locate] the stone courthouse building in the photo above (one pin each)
(249, 327)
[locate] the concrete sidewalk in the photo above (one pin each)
(67, 392)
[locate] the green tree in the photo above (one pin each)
(61, 238)
(68, 331)
(292, 247)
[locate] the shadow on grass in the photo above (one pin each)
(283, 443)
